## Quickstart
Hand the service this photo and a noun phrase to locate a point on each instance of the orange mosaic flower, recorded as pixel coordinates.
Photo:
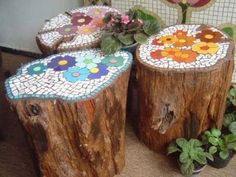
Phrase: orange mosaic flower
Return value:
(98, 22)
(183, 40)
(205, 48)
(156, 55)
(186, 56)
(180, 32)
(169, 39)
(169, 52)
(208, 35)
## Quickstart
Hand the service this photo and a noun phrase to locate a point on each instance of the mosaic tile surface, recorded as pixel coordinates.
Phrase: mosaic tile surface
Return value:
(68, 76)
(78, 28)
(185, 46)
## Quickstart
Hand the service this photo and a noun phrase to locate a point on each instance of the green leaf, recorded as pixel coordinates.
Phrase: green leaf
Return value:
(214, 141)
(110, 45)
(209, 156)
(230, 138)
(215, 132)
(183, 157)
(229, 31)
(224, 154)
(200, 158)
(172, 148)
(187, 168)
(228, 119)
(140, 38)
(195, 142)
(126, 39)
(232, 128)
(212, 150)
(144, 16)
(181, 142)
(151, 27)
(232, 146)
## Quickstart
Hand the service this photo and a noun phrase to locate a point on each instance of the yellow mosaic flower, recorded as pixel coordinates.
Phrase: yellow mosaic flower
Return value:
(169, 39)
(205, 47)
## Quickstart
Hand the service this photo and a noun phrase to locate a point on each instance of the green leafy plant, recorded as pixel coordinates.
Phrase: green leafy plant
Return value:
(232, 95)
(230, 122)
(219, 144)
(191, 154)
(124, 30)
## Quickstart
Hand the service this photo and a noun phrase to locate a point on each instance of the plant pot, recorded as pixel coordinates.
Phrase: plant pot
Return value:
(220, 163)
(130, 48)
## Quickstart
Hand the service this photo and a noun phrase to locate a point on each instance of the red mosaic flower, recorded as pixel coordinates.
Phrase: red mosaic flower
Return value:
(80, 20)
(192, 3)
(207, 35)
(67, 30)
(156, 54)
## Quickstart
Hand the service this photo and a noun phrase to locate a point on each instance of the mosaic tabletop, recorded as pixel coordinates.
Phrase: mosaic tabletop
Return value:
(184, 47)
(68, 76)
(75, 29)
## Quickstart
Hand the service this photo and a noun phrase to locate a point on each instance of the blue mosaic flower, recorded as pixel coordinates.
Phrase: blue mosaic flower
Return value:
(75, 74)
(89, 61)
(98, 72)
(113, 61)
(61, 63)
(38, 68)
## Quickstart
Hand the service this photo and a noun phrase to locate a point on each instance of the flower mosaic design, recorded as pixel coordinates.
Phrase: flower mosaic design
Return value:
(86, 29)
(156, 54)
(98, 22)
(80, 20)
(186, 56)
(205, 48)
(113, 61)
(37, 69)
(98, 72)
(67, 30)
(208, 35)
(61, 63)
(75, 74)
(88, 61)
(180, 32)
(97, 12)
(183, 40)
(169, 39)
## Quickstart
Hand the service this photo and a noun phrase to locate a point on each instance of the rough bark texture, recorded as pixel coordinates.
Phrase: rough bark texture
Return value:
(176, 103)
(78, 139)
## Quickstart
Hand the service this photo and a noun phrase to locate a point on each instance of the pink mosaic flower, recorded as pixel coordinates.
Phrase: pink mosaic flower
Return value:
(80, 20)
(97, 12)
(67, 30)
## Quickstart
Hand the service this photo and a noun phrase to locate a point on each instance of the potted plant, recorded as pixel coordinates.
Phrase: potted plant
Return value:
(220, 146)
(229, 124)
(192, 158)
(126, 31)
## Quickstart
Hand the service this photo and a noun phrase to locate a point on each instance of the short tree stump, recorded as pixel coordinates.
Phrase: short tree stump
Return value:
(72, 106)
(76, 29)
(183, 76)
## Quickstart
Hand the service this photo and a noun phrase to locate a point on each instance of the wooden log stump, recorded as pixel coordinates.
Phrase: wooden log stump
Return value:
(183, 76)
(76, 29)
(72, 106)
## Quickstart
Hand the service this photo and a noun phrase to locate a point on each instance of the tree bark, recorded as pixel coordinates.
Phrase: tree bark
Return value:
(78, 139)
(181, 103)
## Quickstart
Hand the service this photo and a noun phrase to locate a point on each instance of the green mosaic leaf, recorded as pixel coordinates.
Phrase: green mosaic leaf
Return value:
(229, 31)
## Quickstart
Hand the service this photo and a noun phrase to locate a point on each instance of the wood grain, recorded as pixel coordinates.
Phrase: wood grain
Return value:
(78, 139)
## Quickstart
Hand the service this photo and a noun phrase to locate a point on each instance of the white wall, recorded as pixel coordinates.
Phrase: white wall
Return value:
(20, 20)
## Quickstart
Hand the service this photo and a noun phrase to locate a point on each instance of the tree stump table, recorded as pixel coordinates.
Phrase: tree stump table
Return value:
(76, 29)
(183, 76)
(72, 106)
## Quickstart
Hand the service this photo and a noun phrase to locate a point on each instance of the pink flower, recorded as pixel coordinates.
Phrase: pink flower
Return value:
(192, 3)
(125, 19)
(111, 21)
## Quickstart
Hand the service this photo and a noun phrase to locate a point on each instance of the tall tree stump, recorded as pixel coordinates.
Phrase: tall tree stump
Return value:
(76, 29)
(72, 106)
(183, 76)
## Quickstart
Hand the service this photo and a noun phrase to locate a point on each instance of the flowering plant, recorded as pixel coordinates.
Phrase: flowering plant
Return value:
(124, 30)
